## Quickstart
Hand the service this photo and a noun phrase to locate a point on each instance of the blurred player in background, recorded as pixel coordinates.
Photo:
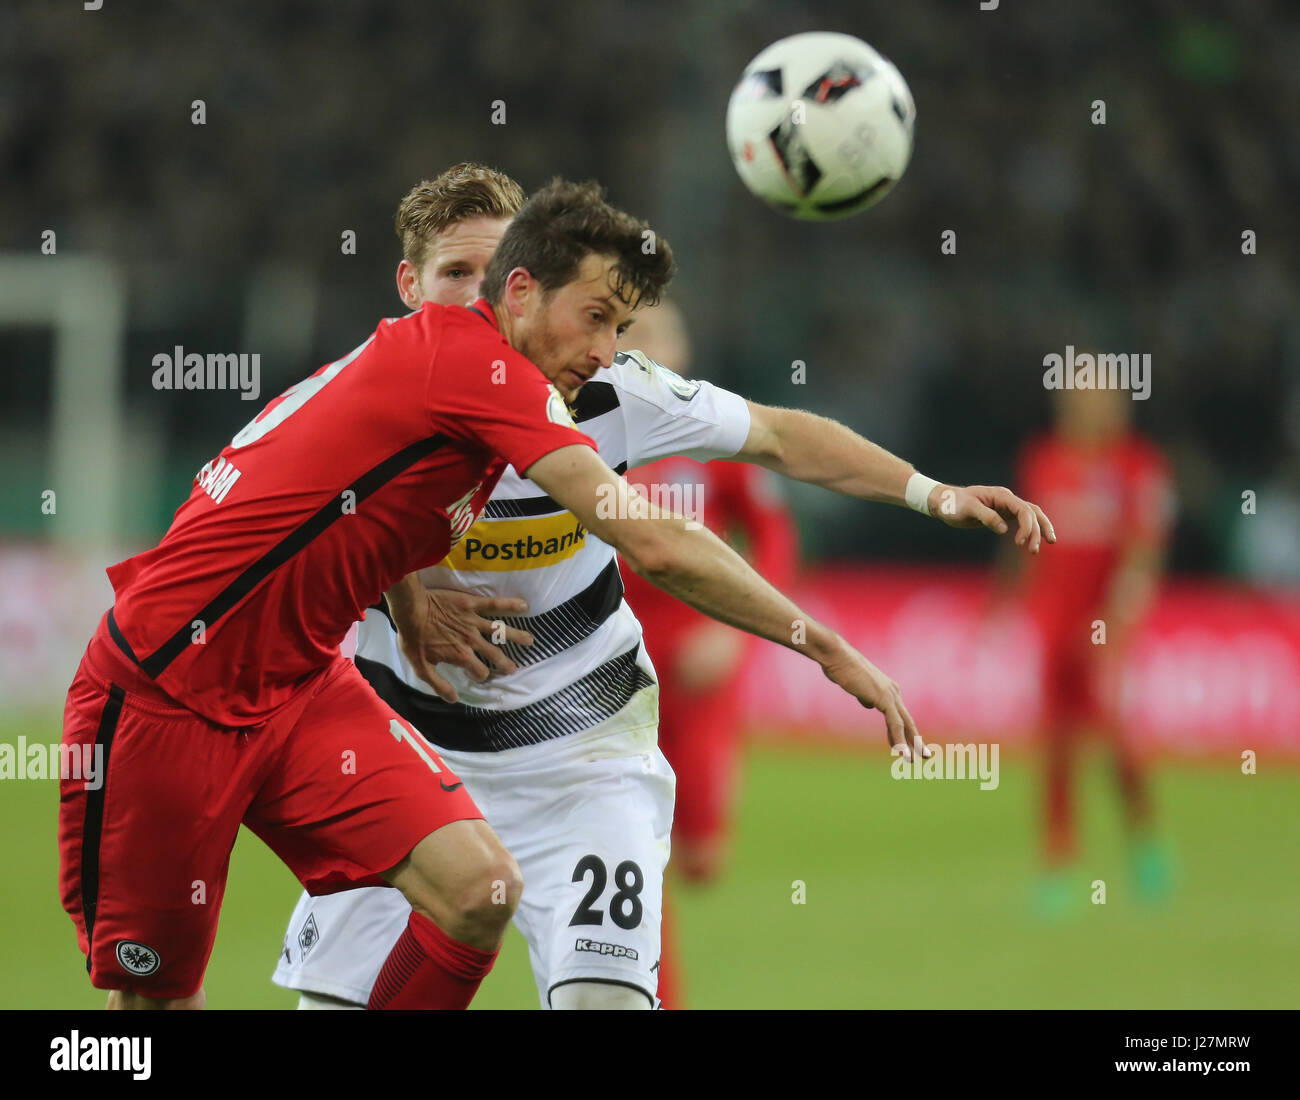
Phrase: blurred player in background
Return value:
(699, 667)
(1111, 491)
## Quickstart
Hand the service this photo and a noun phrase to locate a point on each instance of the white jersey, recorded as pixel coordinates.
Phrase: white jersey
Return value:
(587, 661)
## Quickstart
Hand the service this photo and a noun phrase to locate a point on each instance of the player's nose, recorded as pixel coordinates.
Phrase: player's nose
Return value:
(602, 353)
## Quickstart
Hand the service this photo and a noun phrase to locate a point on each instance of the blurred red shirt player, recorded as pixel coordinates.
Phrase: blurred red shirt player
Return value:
(1110, 492)
(700, 661)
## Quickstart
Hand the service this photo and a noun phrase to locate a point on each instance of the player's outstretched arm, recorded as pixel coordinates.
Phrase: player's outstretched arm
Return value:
(691, 563)
(820, 451)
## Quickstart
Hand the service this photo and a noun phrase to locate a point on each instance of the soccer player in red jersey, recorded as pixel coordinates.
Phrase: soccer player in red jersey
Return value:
(700, 661)
(215, 688)
(1110, 490)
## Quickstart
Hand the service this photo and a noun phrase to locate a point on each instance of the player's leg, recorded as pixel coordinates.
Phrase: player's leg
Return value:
(320, 1001)
(1059, 753)
(119, 999)
(598, 997)
(462, 879)
(145, 845)
(703, 748)
(700, 734)
(359, 795)
(1151, 862)
(1130, 774)
(335, 945)
(594, 862)
(1063, 686)
(1064, 697)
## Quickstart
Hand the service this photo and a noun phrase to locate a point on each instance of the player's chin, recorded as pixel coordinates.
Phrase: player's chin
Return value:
(568, 385)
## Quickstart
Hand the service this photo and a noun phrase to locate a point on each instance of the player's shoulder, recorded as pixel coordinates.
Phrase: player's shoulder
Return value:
(457, 324)
(636, 374)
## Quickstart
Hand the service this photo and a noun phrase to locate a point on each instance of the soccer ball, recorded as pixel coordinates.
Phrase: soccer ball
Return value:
(820, 125)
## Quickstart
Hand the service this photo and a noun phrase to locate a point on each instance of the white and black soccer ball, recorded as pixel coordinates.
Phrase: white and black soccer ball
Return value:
(820, 125)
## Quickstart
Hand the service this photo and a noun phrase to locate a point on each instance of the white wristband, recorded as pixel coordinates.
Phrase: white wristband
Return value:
(919, 488)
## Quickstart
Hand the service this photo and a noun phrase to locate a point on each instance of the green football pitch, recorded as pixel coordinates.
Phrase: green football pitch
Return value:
(847, 889)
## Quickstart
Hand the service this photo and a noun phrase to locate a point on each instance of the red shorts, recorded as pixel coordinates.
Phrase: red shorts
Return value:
(700, 734)
(334, 783)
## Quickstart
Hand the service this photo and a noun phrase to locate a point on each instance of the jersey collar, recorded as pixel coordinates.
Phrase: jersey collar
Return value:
(485, 311)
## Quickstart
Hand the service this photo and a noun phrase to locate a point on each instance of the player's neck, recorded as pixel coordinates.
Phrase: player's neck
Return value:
(504, 322)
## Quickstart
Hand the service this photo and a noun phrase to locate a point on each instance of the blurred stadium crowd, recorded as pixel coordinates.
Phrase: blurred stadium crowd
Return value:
(1125, 236)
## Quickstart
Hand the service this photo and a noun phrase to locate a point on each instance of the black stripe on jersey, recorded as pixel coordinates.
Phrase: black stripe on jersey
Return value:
(520, 507)
(92, 828)
(593, 400)
(565, 625)
(287, 547)
(586, 702)
(115, 632)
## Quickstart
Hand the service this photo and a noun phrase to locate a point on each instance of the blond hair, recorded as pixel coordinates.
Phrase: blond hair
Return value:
(463, 191)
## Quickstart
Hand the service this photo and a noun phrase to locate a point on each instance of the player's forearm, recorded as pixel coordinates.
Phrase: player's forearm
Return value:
(820, 451)
(698, 568)
(404, 598)
(690, 563)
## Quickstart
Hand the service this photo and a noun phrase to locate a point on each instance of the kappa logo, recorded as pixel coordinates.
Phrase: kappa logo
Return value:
(137, 958)
(309, 936)
(613, 950)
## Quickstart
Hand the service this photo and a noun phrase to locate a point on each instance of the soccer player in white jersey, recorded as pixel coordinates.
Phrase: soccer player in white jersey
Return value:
(549, 715)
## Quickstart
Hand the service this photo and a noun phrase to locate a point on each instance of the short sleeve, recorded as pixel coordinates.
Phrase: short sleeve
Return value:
(666, 414)
(489, 394)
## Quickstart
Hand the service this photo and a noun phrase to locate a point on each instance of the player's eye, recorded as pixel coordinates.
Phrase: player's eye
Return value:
(457, 273)
(622, 329)
(596, 316)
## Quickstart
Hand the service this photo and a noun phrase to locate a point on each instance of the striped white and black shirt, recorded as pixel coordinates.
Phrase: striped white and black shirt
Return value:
(587, 660)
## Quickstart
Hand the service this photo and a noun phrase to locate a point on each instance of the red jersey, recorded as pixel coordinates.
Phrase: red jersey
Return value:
(373, 467)
(1100, 500)
(732, 496)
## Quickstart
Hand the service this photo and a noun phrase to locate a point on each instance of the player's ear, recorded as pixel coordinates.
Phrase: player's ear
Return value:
(408, 285)
(520, 289)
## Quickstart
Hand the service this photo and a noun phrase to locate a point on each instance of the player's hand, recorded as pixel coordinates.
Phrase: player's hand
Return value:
(994, 507)
(872, 688)
(457, 628)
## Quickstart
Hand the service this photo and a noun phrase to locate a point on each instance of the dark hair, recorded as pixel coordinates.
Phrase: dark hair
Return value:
(463, 191)
(563, 223)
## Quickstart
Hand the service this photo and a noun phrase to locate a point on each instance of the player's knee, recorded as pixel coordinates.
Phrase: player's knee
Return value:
(486, 895)
(697, 860)
(464, 880)
(599, 997)
(494, 895)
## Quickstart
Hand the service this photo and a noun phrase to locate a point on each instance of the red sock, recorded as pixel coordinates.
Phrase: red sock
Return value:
(428, 969)
(1133, 788)
(1060, 812)
(670, 990)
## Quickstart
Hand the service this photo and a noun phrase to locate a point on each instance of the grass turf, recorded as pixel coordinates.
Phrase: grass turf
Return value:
(917, 894)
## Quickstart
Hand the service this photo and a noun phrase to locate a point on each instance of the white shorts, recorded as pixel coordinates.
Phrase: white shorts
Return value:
(587, 817)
